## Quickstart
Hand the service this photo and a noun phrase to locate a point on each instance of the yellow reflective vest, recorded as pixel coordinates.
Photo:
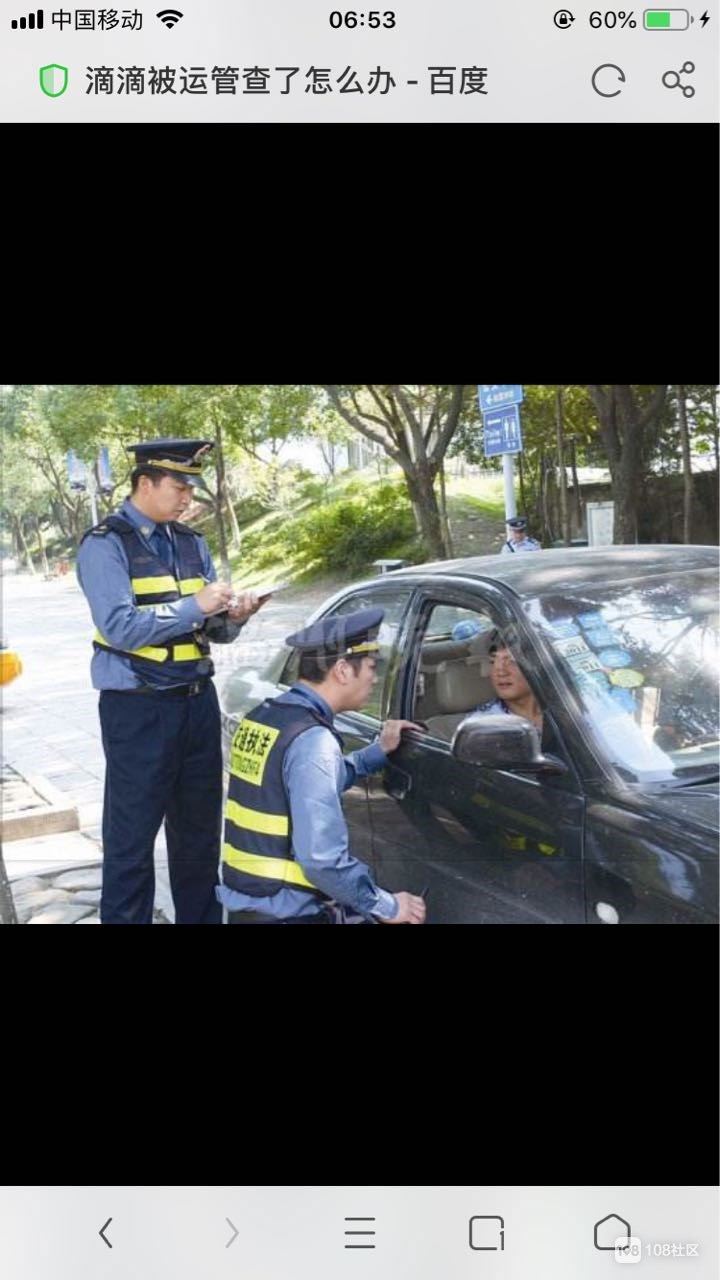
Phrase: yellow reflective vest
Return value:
(187, 657)
(257, 850)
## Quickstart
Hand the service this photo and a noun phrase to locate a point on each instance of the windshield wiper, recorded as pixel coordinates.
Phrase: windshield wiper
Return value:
(701, 773)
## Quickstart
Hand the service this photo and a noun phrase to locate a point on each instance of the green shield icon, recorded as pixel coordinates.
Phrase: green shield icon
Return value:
(53, 79)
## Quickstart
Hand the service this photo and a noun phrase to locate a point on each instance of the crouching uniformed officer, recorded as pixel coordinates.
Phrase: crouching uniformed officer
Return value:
(286, 841)
(152, 589)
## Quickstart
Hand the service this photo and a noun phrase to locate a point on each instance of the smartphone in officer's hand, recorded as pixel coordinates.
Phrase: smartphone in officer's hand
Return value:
(262, 593)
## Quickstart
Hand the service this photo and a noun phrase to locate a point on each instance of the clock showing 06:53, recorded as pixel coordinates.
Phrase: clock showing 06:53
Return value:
(374, 18)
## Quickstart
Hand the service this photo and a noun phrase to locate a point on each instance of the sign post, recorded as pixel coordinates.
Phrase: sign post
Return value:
(82, 478)
(500, 408)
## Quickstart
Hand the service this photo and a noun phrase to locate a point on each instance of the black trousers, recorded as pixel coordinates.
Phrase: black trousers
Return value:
(164, 761)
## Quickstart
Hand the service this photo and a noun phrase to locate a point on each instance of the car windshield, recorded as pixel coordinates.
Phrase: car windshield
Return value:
(642, 658)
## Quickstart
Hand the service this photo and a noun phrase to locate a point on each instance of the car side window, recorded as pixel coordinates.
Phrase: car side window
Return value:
(395, 604)
(453, 673)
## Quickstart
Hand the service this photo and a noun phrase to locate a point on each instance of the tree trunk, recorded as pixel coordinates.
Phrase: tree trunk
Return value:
(443, 511)
(414, 441)
(715, 434)
(546, 496)
(629, 434)
(576, 486)
(417, 513)
(562, 474)
(23, 544)
(627, 487)
(521, 474)
(230, 506)
(59, 515)
(41, 544)
(218, 505)
(427, 514)
(76, 531)
(687, 465)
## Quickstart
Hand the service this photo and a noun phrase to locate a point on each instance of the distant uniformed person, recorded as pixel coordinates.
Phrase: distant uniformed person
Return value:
(152, 590)
(285, 852)
(517, 539)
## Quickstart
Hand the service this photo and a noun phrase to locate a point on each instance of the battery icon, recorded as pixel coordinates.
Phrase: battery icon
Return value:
(666, 19)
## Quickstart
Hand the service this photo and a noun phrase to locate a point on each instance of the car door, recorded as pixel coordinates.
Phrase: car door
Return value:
(489, 845)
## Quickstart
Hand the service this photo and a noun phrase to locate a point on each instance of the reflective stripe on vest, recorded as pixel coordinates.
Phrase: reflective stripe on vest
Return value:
(158, 586)
(257, 852)
(266, 870)
(171, 652)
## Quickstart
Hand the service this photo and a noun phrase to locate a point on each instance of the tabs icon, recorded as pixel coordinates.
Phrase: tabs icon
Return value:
(487, 1233)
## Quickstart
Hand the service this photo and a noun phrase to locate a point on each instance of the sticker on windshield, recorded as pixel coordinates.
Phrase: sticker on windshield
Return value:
(589, 620)
(577, 654)
(601, 637)
(571, 648)
(563, 627)
(615, 657)
(592, 680)
(624, 698)
(627, 678)
(585, 662)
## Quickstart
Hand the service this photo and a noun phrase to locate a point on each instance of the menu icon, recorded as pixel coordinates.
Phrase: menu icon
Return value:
(360, 1228)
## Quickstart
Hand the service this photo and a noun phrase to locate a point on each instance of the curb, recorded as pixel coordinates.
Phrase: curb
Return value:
(53, 816)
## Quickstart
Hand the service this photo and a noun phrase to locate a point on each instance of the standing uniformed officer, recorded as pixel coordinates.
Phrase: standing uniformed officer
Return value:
(286, 841)
(152, 591)
(517, 539)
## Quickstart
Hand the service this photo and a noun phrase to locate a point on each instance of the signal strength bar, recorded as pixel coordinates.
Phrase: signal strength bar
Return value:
(28, 23)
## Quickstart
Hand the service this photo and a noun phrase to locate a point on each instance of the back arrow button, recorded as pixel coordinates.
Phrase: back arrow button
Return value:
(102, 1235)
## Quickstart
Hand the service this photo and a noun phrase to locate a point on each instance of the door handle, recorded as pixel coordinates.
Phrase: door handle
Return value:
(398, 784)
(607, 913)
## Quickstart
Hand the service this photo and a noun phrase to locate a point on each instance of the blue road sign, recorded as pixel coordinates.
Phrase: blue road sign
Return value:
(77, 471)
(494, 396)
(502, 432)
(104, 472)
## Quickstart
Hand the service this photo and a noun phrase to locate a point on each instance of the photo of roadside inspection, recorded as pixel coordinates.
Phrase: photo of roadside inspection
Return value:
(308, 654)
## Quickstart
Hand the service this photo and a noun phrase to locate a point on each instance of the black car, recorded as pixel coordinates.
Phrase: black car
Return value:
(613, 817)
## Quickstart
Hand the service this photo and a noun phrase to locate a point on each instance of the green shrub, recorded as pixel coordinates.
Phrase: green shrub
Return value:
(264, 546)
(350, 533)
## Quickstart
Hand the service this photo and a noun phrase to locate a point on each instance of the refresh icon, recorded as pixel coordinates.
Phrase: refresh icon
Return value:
(607, 67)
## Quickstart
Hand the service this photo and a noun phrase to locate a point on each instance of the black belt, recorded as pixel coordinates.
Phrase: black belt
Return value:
(172, 691)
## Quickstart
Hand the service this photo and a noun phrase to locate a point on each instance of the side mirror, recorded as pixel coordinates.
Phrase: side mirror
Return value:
(502, 742)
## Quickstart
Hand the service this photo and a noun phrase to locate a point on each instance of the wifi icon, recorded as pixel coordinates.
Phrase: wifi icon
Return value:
(169, 17)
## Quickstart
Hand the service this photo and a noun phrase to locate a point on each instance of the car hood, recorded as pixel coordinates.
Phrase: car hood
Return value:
(694, 808)
(697, 806)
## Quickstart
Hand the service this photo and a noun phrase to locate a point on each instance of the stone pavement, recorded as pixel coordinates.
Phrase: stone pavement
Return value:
(50, 727)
